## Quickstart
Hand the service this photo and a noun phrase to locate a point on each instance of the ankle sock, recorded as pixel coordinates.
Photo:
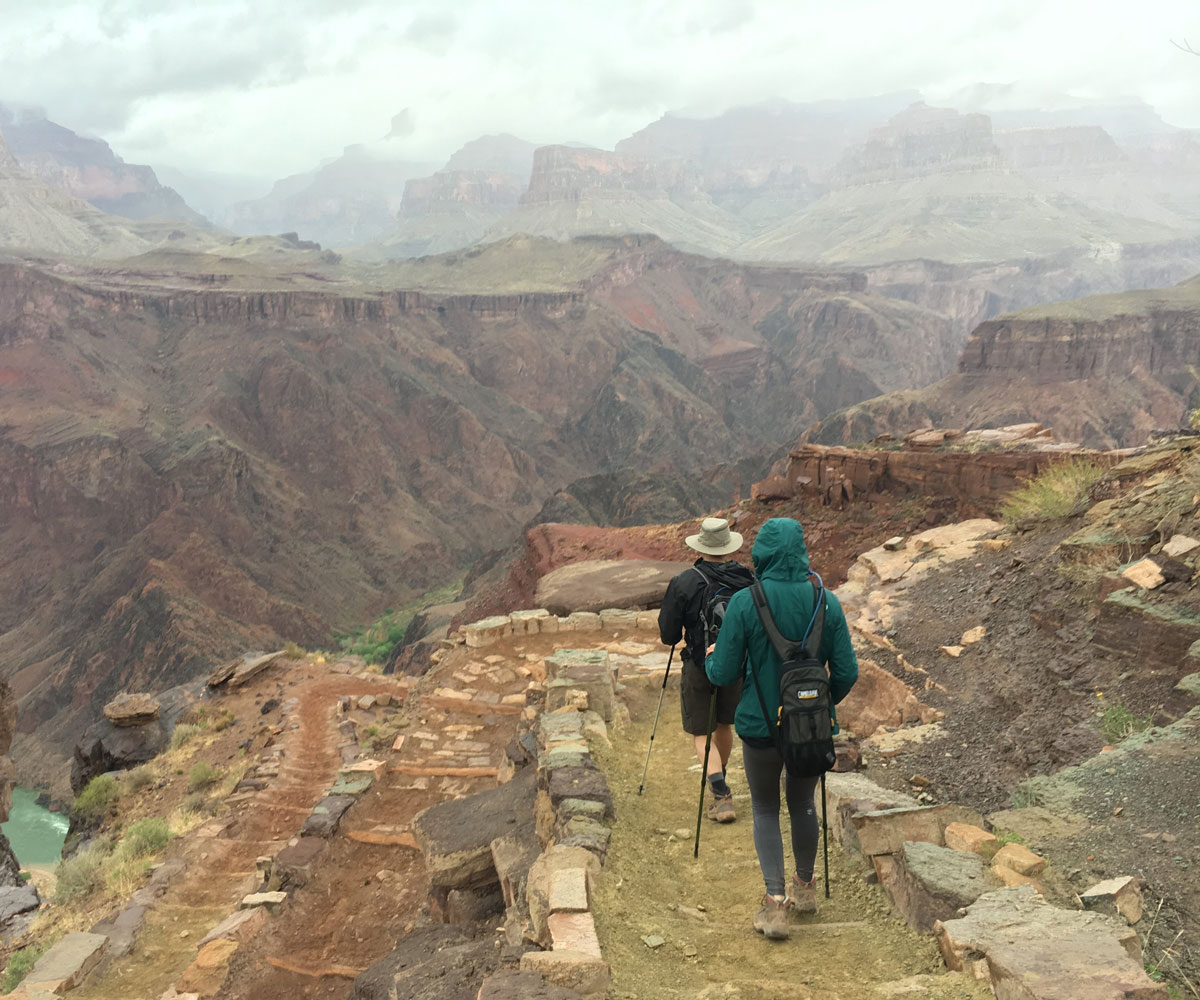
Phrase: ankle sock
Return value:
(717, 784)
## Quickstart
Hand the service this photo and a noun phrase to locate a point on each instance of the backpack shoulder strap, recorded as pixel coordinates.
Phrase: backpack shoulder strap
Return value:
(816, 627)
(779, 642)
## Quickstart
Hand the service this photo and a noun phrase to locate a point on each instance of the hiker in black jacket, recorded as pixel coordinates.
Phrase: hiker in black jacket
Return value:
(682, 614)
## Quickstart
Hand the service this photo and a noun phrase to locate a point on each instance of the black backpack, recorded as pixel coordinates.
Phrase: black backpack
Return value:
(803, 731)
(712, 609)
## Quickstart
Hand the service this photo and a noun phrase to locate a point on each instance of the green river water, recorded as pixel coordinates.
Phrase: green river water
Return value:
(36, 834)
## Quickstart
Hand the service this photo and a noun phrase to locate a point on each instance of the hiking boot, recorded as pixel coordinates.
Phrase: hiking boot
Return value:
(772, 920)
(803, 896)
(721, 809)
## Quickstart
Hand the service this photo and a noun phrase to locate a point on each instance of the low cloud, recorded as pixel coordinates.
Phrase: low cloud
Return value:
(271, 88)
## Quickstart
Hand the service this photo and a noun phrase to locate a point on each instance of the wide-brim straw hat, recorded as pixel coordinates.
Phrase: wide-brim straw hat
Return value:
(714, 538)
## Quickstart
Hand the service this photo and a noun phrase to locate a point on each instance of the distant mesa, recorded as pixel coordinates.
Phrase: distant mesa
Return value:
(88, 169)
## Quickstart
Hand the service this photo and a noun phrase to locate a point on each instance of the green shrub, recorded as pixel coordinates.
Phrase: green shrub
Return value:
(1119, 722)
(202, 775)
(19, 964)
(184, 733)
(97, 798)
(79, 877)
(1052, 494)
(144, 837)
(138, 778)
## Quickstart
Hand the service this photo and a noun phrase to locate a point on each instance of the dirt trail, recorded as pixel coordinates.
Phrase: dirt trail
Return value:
(218, 868)
(852, 950)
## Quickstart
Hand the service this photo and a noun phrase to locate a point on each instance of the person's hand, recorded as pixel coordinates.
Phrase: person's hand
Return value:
(709, 651)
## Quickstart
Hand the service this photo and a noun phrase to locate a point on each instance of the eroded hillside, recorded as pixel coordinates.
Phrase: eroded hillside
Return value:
(200, 458)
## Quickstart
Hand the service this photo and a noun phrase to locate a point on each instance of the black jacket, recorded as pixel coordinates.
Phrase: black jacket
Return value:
(684, 599)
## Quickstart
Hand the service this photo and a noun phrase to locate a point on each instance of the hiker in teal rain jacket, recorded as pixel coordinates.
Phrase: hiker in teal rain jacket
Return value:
(743, 650)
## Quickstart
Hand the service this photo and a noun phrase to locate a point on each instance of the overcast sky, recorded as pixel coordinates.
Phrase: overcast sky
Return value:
(272, 87)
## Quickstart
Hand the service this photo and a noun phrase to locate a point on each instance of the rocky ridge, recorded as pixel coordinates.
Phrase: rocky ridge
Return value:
(1104, 371)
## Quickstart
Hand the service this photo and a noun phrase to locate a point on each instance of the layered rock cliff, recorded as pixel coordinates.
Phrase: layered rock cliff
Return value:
(1104, 371)
(89, 170)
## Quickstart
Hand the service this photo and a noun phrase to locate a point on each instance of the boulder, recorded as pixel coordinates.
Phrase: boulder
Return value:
(105, 747)
(431, 963)
(964, 837)
(884, 831)
(326, 815)
(456, 836)
(1020, 859)
(603, 584)
(932, 883)
(1145, 573)
(847, 794)
(128, 710)
(206, 975)
(17, 899)
(1120, 896)
(67, 962)
(1028, 950)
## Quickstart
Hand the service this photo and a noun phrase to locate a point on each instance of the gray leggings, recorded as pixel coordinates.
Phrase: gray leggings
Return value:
(763, 769)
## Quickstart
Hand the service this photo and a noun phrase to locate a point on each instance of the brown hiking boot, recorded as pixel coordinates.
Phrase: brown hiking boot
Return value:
(803, 896)
(721, 809)
(772, 920)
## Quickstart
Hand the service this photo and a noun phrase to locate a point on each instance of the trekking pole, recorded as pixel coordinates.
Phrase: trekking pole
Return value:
(825, 834)
(654, 728)
(712, 716)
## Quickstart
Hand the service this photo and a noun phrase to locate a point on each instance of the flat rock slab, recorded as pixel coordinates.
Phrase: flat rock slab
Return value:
(576, 970)
(326, 815)
(933, 883)
(68, 961)
(600, 585)
(1037, 824)
(122, 930)
(354, 785)
(1117, 897)
(515, 984)
(1029, 950)
(132, 709)
(884, 831)
(456, 836)
(240, 926)
(432, 963)
(848, 793)
(293, 865)
(17, 899)
(271, 900)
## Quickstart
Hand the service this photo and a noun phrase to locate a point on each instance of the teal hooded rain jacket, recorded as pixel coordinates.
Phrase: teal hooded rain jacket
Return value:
(781, 563)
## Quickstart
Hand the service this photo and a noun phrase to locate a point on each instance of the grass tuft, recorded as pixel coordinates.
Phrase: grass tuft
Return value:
(97, 797)
(1053, 494)
(202, 775)
(19, 964)
(1120, 723)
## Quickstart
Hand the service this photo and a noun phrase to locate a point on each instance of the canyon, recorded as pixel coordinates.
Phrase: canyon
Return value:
(190, 469)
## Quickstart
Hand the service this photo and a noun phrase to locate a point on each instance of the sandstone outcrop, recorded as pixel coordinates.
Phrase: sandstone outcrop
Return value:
(129, 710)
(1104, 371)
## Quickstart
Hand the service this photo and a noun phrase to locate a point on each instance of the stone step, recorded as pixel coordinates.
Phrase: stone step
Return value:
(319, 972)
(384, 838)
